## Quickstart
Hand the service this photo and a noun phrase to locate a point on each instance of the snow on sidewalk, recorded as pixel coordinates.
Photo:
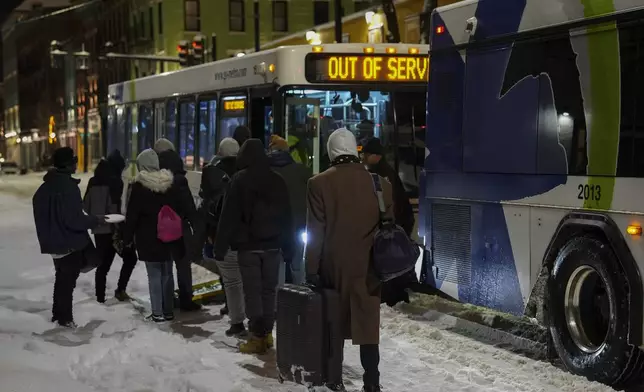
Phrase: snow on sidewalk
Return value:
(115, 350)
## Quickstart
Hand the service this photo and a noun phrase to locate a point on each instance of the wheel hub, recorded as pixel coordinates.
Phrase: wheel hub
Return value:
(587, 309)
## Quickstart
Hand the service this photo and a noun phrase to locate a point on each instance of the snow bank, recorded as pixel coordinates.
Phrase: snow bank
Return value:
(116, 350)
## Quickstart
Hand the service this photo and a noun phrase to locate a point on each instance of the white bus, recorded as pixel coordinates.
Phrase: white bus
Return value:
(530, 198)
(301, 93)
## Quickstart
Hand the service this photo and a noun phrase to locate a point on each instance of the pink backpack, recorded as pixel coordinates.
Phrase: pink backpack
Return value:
(169, 225)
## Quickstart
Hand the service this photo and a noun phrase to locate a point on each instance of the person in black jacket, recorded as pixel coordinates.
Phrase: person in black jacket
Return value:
(373, 154)
(152, 190)
(256, 220)
(182, 251)
(241, 134)
(102, 197)
(61, 226)
(296, 176)
(215, 181)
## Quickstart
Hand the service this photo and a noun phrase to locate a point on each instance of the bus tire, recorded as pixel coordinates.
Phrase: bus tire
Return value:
(588, 312)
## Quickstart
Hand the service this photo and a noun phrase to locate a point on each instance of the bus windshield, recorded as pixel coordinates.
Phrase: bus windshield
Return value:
(396, 118)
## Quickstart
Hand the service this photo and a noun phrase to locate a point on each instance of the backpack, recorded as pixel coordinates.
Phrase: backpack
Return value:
(169, 225)
(213, 203)
(393, 253)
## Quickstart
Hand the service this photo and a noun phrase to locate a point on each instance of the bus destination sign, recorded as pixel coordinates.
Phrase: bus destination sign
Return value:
(233, 105)
(365, 68)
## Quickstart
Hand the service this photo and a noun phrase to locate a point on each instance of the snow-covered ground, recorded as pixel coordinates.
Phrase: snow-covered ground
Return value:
(115, 350)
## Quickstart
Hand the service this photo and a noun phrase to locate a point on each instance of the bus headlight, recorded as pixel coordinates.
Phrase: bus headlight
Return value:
(304, 237)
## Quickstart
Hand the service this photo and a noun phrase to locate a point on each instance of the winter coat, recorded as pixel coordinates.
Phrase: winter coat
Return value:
(150, 192)
(256, 214)
(100, 193)
(170, 160)
(342, 218)
(127, 178)
(403, 212)
(296, 177)
(61, 225)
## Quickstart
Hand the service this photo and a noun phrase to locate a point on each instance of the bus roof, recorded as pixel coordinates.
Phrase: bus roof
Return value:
(498, 18)
(238, 72)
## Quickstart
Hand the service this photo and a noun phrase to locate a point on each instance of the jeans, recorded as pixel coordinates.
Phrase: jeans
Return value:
(184, 272)
(161, 283)
(259, 271)
(233, 287)
(105, 245)
(67, 271)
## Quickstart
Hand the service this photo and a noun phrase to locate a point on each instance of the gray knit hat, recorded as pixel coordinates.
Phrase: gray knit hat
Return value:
(228, 147)
(148, 160)
(162, 145)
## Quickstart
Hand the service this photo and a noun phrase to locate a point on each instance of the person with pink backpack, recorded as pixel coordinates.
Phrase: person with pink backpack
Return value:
(153, 222)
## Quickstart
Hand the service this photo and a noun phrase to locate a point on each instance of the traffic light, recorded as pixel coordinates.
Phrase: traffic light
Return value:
(184, 53)
(213, 47)
(198, 46)
(55, 54)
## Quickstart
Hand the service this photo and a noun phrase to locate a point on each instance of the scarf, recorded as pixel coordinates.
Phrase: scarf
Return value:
(345, 159)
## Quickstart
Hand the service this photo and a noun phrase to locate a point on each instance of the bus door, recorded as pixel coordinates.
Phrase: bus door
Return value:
(302, 124)
(159, 120)
(233, 114)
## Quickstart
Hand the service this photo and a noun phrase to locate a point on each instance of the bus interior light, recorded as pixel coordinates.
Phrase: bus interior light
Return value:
(391, 50)
(368, 50)
(413, 51)
(440, 29)
(634, 230)
(317, 49)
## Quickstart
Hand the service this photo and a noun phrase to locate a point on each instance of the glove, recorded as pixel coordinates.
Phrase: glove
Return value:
(313, 280)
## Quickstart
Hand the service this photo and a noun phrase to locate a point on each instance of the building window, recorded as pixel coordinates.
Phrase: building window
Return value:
(160, 16)
(280, 16)
(192, 15)
(320, 12)
(236, 15)
(361, 5)
(151, 19)
(142, 32)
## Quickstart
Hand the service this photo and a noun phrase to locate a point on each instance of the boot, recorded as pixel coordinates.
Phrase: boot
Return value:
(191, 306)
(223, 311)
(155, 318)
(237, 330)
(270, 342)
(371, 388)
(68, 324)
(336, 387)
(121, 296)
(254, 345)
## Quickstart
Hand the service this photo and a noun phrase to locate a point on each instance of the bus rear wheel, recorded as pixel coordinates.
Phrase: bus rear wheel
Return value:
(588, 312)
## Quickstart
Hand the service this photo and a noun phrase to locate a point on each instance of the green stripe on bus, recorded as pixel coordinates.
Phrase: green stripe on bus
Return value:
(603, 141)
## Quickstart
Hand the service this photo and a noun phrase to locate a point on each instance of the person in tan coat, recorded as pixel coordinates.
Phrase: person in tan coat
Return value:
(342, 219)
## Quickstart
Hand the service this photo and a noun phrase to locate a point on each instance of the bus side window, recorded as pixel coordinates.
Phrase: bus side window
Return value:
(146, 127)
(187, 132)
(171, 121)
(207, 130)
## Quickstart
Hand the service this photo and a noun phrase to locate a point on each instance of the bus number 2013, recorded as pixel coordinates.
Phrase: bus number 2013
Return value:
(589, 192)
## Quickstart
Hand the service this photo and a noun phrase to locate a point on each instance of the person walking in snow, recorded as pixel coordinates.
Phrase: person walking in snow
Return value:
(152, 190)
(296, 176)
(256, 220)
(61, 226)
(215, 182)
(342, 218)
(183, 251)
(102, 197)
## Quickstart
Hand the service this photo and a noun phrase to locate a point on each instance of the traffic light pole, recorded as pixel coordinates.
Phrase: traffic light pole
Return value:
(86, 122)
(256, 15)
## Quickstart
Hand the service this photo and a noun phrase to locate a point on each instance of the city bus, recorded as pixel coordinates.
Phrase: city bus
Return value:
(301, 93)
(530, 199)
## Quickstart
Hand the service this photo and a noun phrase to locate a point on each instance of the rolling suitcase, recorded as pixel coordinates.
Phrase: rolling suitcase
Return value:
(310, 341)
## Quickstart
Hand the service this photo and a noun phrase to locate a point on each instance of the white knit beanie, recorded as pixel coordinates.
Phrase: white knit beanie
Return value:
(342, 142)
(228, 147)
